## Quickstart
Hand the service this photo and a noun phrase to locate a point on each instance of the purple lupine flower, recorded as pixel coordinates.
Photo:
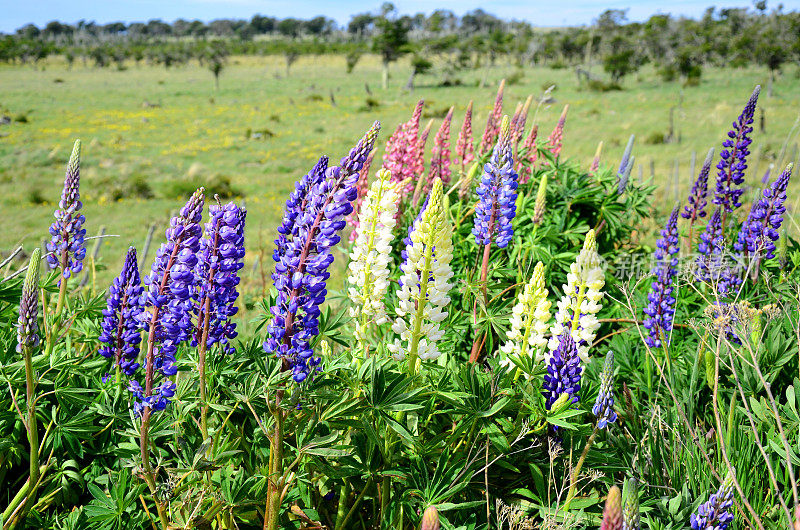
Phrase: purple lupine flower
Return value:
(661, 307)
(716, 513)
(603, 407)
(121, 327)
(167, 300)
(498, 194)
(217, 272)
(733, 156)
(66, 249)
(27, 322)
(563, 371)
(625, 176)
(760, 231)
(306, 237)
(711, 249)
(696, 208)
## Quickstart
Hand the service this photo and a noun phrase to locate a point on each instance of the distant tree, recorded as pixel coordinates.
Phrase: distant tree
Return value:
(290, 27)
(263, 24)
(391, 40)
(319, 26)
(419, 65)
(360, 25)
(621, 60)
(215, 56)
(352, 59)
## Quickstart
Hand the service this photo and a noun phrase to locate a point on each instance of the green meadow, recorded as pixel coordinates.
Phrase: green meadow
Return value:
(151, 135)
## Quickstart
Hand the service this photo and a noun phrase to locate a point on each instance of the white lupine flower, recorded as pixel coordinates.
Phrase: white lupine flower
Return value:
(582, 299)
(368, 276)
(529, 320)
(425, 283)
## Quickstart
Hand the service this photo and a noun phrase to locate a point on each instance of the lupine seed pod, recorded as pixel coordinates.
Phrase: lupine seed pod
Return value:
(716, 513)
(696, 209)
(465, 148)
(541, 199)
(582, 299)
(493, 122)
(660, 310)
(28, 323)
(612, 514)
(631, 519)
(66, 249)
(603, 407)
(430, 519)
(733, 158)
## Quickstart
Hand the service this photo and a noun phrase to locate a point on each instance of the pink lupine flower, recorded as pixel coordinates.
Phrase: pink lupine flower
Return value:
(531, 154)
(362, 186)
(401, 148)
(492, 130)
(555, 140)
(416, 184)
(518, 125)
(440, 155)
(465, 148)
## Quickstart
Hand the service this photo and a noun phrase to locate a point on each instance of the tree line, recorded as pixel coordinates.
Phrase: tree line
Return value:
(676, 46)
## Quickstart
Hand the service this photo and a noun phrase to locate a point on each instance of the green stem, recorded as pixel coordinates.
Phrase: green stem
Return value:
(149, 476)
(355, 505)
(340, 512)
(574, 478)
(487, 249)
(62, 289)
(416, 334)
(276, 471)
(33, 432)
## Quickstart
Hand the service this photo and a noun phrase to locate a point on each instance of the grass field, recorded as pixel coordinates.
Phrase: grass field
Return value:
(151, 132)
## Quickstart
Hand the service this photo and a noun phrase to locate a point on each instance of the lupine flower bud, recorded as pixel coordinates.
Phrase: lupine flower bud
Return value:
(440, 156)
(121, 327)
(625, 176)
(362, 186)
(696, 208)
(556, 139)
(27, 323)
(369, 262)
(612, 514)
(498, 195)
(582, 298)
(660, 310)
(631, 519)
(529, 319)
(596, 160)
(493, 122)
(759, 232)
(626, 156)
(217, 272)
(465, 190)
(66, 249)
(430, 519)
(425, 283)
(541, 198)
(733, 158)
(464, 146)
(563, 372)
(531, 154)
(716, 512)
(306, 237)
(603, 407)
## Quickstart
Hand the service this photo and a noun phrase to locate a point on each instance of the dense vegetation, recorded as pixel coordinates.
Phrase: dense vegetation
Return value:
(458, 373)
(678, 47)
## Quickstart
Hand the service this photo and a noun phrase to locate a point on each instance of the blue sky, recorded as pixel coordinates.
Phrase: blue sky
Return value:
(16, 13)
